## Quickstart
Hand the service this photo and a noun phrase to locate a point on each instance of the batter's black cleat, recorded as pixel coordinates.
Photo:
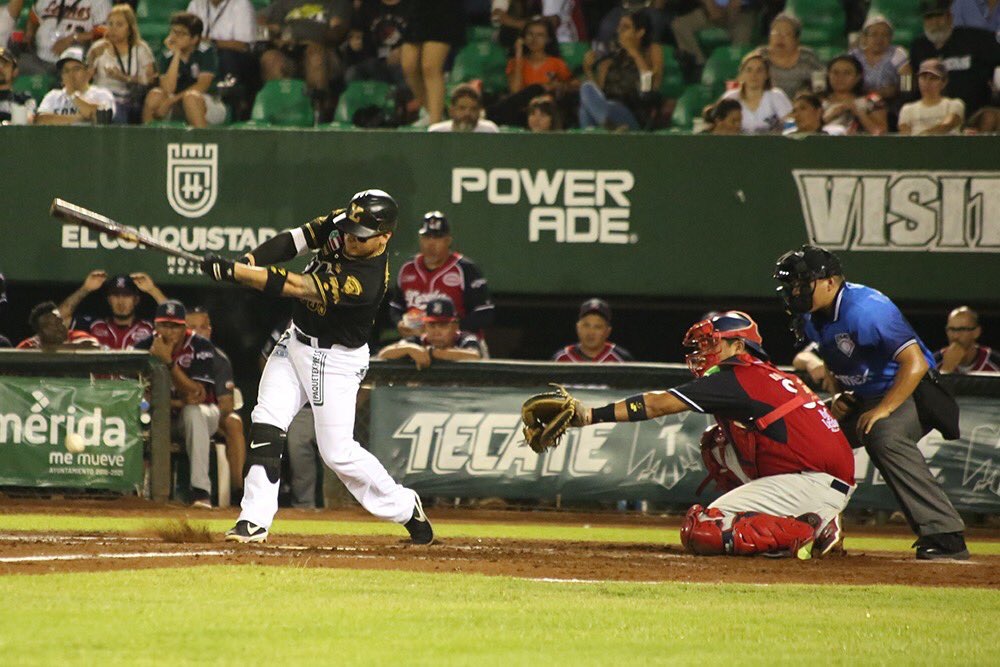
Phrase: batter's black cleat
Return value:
(942, 547)
(419, 526)
(245, 532)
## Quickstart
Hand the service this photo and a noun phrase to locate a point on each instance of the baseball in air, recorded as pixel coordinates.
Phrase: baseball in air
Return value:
(74, 443)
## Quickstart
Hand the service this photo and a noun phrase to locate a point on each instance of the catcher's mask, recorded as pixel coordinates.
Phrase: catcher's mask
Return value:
(795, 272)
(369, 213)
(706, 339)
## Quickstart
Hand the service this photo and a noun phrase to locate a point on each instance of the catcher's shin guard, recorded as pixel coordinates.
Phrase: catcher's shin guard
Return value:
(711, 532)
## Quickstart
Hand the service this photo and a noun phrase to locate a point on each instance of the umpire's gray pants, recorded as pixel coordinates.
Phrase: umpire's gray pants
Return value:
(302, 459)
(892, 447)
(197, 423)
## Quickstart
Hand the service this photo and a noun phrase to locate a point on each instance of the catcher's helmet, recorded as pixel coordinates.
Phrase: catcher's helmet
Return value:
(797, 269)
(370, 213)
(705, 336)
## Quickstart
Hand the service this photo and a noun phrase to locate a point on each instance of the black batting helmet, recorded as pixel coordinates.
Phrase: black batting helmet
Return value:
(370, 213)
(795, 271)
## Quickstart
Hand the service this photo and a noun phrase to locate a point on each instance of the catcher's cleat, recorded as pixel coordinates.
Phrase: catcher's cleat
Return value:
(829, 537)
(245, 532)
(419, 526)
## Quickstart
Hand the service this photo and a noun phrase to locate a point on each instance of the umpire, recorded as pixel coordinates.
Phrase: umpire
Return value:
(892, 398)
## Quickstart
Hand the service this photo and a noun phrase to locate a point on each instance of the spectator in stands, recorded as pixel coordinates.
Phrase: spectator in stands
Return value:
(536, 69)
(51, 333)
(617, 93)
(440, 340)
(792, 65)
(593, 327)
(187, 77)
(932, 113)
(230, 422)
(465, 111)
(435, 272)
(191, 360)
(8, 19)
(383, 23)
(964, 354)
(984, 121)
(436, 27)
(737, 17)
(54, 27)
(971, 56)
(807, 112)
(231, 25)
(979, 14)
(607, 29)
(16, 108)
(565, 16)
(123, 63)
(77, 102)
(543, 116)
(123, 329)
(846, 104)
(764, 106)
(882, 61)
(307, 32)
(725, 117)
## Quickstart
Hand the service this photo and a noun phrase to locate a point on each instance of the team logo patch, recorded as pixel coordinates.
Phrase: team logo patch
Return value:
(451, 280)
(355, 214)
(192, 178)
(845, 344)
(352, 286)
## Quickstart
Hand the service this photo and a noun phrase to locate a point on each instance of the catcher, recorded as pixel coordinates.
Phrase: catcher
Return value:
(776, 450)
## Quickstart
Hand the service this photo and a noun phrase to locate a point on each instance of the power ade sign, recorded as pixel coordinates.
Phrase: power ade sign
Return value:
(567, 205)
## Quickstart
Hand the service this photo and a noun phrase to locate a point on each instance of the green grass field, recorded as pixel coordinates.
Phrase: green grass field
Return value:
(527, 531)
(256, 615)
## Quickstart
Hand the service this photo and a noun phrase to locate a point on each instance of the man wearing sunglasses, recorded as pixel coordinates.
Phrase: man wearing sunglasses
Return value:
(964, 354)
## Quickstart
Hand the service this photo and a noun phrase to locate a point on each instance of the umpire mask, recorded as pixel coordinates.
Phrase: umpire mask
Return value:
(795, 272)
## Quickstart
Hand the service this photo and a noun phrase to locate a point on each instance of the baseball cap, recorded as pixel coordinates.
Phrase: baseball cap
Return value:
(435, 225)
(441, 309)
(599, 306)
(875, 19)
(935, 7)
(119, 284)
(72, 53)
(7, 54)
(933, 66)
(171, 312)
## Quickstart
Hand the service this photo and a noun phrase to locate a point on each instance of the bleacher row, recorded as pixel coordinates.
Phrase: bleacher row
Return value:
(286, 103)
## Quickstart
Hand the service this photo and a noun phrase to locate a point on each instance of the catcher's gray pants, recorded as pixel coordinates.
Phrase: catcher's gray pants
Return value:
(302, 459)
(892, 446)
(196, 425)
(791, 494)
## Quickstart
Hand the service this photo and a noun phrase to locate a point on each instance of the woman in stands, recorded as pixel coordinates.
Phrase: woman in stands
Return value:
(436, 27)
(764, 106)
(846, 104)
(725, 117)
(620, 86)
(123, 63)
(792, 65)
(543, 115)
(883, 62)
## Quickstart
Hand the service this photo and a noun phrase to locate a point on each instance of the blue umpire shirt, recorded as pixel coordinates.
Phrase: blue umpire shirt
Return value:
(860, 342)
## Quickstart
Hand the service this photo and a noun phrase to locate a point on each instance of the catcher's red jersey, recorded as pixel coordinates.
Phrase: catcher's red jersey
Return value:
(742, 391)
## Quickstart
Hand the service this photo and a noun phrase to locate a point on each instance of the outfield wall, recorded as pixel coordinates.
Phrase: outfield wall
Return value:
(653, 215)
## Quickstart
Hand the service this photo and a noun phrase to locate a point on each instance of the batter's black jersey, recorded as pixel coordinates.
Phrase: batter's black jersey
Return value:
(352, 288)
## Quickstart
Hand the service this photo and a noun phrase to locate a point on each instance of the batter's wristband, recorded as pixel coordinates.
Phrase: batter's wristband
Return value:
(605, 413)
(636, 408)
(276, 279)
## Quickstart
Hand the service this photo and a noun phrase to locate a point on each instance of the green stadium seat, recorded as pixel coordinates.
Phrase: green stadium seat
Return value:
(673, 79)
(480, 33)
(361, 94)
(722, 66)
(690, 105)
(485, 61)
(573, 53)
(159, 10)
(828, 53)
(35, 84)
(283, 103)
(823, 21)
(154, 32)
(710, 39)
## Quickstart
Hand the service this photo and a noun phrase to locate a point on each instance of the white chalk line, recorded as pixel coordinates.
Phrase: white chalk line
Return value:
(144, 554)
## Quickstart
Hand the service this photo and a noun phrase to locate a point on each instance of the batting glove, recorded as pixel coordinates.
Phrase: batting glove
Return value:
(218, 268)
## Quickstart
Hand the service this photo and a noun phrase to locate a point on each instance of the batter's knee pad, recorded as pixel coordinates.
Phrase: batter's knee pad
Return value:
(702, 532)
(754, 533)
(266, 444)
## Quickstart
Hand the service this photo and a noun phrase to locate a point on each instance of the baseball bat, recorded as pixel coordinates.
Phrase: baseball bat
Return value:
(78, 215)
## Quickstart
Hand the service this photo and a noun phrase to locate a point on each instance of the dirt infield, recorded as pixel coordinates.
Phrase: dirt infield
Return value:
(34, 553)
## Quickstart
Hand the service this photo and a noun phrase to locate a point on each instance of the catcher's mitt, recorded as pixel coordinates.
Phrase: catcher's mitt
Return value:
(546, 417)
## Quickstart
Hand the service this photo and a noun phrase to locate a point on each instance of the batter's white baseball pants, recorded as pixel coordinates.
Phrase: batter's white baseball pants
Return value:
(328, 379)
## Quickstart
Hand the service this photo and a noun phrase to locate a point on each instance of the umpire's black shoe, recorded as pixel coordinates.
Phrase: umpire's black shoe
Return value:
(419, 526)
(244, 532)
(943, 546)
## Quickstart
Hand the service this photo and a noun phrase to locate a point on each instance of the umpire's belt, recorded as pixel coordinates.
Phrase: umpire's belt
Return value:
(841, 486)
(323, 342)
